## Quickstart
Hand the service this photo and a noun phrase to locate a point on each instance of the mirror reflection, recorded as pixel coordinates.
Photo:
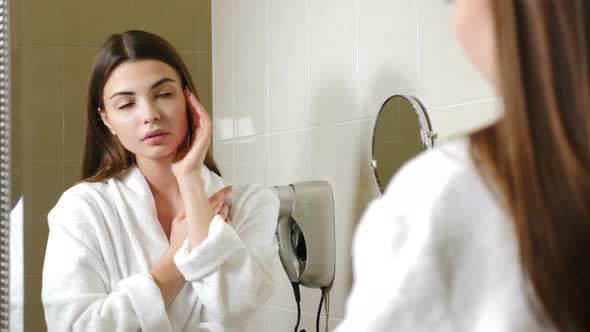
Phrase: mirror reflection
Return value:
(128, 222)
(401, 132)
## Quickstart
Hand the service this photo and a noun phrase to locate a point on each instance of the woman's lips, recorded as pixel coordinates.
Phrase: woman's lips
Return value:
(156, 139)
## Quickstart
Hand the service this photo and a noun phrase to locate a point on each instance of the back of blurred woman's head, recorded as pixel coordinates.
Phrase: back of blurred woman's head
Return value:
(538, 154)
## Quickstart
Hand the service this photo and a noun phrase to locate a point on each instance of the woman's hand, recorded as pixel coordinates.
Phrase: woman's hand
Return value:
(189, 159)
(220, 205)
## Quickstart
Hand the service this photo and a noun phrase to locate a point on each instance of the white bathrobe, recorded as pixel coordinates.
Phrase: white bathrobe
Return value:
(437, 253)
(104, 237)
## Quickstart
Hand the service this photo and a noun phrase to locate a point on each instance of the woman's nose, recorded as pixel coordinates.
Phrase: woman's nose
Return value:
(150, 113)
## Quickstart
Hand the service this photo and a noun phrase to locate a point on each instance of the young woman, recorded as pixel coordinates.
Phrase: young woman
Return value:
(138, 244)
(491, 232)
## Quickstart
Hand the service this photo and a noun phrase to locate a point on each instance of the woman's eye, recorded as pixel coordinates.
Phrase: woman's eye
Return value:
(124, 106)
(164, 94)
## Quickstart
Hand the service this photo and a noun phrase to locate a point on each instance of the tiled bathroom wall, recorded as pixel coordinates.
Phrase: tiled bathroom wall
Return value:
(53, 44)
(296, 88)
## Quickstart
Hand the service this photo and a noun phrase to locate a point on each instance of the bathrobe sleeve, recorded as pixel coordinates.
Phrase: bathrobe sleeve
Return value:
(77, 293)
(232, 269)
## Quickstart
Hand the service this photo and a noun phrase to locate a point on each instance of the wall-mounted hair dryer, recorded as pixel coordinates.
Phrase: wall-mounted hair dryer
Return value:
(305, 233)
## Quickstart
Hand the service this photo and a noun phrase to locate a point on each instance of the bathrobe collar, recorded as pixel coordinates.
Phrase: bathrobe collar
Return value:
(139, 212)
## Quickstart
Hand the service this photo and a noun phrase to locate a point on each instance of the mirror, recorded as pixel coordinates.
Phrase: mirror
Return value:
(402, 130)
(52, 47)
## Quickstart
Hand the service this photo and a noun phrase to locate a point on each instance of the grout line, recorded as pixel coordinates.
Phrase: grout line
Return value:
(308, 64)
(234, 172)
(302, 311)
(63, 114)
(366, 118)
(237, 139)
(233, 71)
(417, 11)
(356, 37)
(233, 91)
(213, 72)
(267, 53)
(463, 104)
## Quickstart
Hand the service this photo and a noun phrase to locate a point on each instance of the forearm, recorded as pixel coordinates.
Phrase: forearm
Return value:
(233, 256)
(167, 277)
(196, 206)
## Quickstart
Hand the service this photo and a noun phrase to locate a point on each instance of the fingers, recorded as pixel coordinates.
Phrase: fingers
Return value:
(218, 199)
(227, 190)
(195, 105)
(179, 217)
(224, 211)
(221, 194)
(200, 116)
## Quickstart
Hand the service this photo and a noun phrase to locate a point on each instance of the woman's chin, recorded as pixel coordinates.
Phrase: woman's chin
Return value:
(158, 154)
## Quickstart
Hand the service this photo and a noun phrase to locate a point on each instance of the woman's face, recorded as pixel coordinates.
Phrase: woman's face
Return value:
(474, 27)
(145, 108)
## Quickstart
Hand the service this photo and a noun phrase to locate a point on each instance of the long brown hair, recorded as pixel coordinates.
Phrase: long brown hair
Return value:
(104, 156)
(539, 152)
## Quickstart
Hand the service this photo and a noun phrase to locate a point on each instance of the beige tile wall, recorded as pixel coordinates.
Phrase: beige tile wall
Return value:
(53, 43)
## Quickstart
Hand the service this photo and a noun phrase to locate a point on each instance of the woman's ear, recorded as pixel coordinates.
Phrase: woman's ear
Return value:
(105, 119)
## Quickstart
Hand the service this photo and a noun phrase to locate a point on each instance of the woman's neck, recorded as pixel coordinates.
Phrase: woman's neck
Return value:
(159, 177)
(165, 190)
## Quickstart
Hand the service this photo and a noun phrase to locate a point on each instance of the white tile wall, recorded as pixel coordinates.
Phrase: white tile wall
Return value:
(223, 75)
(387, 51)
(225, 158)
(250, 66)
(333, 68)
(446, 77)
(251, 160)
(297, 85)
(288, 62)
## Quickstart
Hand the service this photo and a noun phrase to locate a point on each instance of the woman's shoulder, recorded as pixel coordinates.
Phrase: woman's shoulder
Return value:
(81, 203)
(444, 176)
(442, 161)
(253, 195)
(86, 191)
(254, 203)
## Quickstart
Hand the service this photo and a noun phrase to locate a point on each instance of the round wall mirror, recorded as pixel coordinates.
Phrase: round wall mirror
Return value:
(402, 130)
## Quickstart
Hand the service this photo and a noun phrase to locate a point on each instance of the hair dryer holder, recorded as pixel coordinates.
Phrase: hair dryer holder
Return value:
(305, 232)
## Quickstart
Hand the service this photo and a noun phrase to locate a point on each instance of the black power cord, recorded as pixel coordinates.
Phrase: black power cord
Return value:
(297, 294)
(295, 286)
(317, 320)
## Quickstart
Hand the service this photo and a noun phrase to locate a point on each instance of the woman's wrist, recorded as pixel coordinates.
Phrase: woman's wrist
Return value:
(167, 276)
(193, 173)
(197, 207)
(167, 268)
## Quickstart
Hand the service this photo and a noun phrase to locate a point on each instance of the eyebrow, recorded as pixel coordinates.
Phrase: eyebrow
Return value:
(155, 85)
